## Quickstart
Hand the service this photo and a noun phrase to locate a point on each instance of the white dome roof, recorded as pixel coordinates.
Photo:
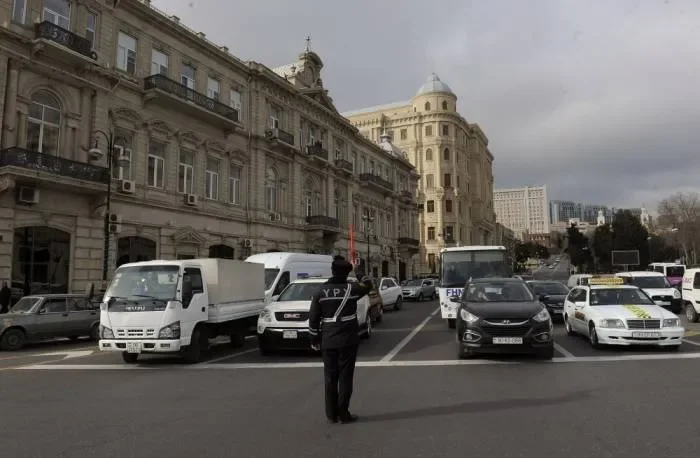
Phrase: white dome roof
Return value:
(386, 145)
(434, 84)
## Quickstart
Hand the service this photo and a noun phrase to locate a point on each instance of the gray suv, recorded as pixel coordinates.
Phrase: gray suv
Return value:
(49, 316)
(419, 289)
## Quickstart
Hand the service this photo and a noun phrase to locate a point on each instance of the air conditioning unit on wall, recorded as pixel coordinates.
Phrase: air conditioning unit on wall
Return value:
(27, 195)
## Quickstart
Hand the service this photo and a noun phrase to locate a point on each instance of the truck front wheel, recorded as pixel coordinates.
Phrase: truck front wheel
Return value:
(193, 353)
(130, 358)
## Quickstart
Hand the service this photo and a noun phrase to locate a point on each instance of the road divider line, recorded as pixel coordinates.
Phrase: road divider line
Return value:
(563, 351)
(691, 342)
(395, 351)
(233, 355)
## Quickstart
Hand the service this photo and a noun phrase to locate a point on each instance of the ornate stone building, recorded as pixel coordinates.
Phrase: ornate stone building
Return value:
(456, 187)
(120, 124)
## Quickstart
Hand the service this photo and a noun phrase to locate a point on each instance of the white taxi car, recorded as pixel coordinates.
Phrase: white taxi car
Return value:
(284, 322)
(610, 312)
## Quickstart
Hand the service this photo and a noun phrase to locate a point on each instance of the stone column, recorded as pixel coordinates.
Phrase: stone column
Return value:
(330, 194)
(295, 186)
(138, 160)
(21, 120)
(70, 146)
(10, 136)
(83, 144)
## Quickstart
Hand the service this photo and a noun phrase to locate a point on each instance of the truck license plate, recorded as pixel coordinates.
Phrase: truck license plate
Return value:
(508, 340)
(646, 335)
(133, 347)
(289, 334)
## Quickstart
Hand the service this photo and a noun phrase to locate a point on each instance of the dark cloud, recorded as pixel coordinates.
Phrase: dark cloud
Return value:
(598, 100)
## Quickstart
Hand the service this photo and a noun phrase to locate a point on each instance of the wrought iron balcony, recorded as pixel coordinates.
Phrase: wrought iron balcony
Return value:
(32, 160)
(409, 242)
(322, 220)
(281, 135)
(406, 195)
(185, 94)
(317, 150)
(377, 181)
(49, 31)
(344, 165)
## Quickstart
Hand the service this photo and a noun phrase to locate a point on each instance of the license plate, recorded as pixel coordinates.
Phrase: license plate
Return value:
(133, 347)
(558, 312)
(646, 335)
(289, 334)
(508, 340)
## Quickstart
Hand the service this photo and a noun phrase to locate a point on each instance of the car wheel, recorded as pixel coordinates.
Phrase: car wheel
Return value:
(593, 336)
(95, 332)
(397, 304)
(367, 332)
(464, 353)
(567, 326)
(264, 347)
(420, 297)
(13, 340)
(451, 323)
(690, 313)
(379, 314)
(674, 347)
(130, 358)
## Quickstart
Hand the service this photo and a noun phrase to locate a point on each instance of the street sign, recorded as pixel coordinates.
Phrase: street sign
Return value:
(625, 258)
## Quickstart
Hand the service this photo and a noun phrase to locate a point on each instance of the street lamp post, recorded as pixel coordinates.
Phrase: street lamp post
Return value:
(368, 219)
(111, 140)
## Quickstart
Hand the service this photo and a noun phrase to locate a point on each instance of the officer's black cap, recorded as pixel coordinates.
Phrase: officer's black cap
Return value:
(340, 267)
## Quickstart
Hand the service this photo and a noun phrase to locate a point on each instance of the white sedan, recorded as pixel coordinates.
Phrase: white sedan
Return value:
(284, 322)
(611, 313)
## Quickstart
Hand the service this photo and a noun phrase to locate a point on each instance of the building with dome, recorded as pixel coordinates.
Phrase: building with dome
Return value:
(455, 192)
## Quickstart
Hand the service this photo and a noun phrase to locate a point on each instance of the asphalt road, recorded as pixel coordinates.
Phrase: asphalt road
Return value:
(414, 398)
(561, 271)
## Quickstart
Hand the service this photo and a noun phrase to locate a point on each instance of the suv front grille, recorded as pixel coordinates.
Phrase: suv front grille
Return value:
(291, 316)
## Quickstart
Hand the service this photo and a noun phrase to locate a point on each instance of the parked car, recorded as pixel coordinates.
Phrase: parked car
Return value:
(419, 289)
(389, 292)
(49, 316)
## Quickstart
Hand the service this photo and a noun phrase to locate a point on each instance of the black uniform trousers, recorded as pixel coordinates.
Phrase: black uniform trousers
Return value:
(339, 372)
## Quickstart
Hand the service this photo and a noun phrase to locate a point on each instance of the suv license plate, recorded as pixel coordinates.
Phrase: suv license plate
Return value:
(133, 347)
(289, 334)
(508, 340)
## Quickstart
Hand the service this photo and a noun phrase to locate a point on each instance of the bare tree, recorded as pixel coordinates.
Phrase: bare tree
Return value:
(681, 213)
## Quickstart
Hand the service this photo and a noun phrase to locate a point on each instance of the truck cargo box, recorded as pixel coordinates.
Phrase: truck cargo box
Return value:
(229, 280)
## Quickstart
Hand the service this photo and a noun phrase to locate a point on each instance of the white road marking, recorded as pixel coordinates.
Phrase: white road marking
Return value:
(68, 354)
(691, 342)
(563, 351)
(394, 351)
(233, 355)
(307, 365)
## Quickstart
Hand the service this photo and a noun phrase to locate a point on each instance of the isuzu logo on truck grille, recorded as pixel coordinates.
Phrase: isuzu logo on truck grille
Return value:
(292, 315)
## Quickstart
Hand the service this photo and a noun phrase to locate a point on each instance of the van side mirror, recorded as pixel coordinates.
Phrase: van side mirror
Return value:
(454, 298)
(89, 291)
(544, 297)
(275, 298)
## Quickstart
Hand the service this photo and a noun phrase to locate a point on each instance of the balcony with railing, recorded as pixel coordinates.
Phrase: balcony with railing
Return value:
(281, 135)
(317, 151)
(64, 42)
(377, 182)
(406, 196)
(27, 165)
(344, 165)
(323, 223)
(160, 88)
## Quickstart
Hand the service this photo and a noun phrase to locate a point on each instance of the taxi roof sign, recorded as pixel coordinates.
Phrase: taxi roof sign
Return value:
(593, 281)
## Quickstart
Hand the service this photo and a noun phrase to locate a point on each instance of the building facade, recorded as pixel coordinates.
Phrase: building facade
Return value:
(561, 211)
(451, 155)
(524, 210)
(126, 136)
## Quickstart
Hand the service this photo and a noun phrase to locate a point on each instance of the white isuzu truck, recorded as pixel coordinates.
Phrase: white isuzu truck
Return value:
(175, 307)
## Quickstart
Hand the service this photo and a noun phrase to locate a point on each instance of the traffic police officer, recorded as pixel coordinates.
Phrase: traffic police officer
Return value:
(334, 329)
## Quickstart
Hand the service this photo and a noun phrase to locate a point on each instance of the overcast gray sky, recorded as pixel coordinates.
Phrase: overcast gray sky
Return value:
(597, 99)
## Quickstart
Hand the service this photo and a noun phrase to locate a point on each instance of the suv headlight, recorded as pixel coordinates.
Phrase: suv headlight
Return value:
(672, 322)
(106, 333)
(542, 315)
(612, 323)
(676, 294)
(468, 317)
(171, 331)
(265, 315)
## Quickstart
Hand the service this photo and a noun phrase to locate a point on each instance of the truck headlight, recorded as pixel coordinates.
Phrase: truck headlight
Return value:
(612, 323)
(265, 315)
(543, 315)
(106, 333)
(676, 294)
(672, 323)
(171, 331)
(468, 317)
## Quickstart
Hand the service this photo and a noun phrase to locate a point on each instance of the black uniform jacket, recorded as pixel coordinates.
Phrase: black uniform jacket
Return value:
(333, 315)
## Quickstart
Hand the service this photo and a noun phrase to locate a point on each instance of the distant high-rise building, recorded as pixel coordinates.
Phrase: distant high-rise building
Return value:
(523, 210)
(561, 211)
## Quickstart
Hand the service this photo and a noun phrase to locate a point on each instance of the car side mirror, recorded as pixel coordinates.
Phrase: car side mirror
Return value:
(41, 311)
(454, 298)
(274, 298)
(580, 304)
(384, 287)
(544, 297)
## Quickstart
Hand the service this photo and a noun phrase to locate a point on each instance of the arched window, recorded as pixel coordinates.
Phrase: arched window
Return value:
(427, 106)
(444, 105)
(44, 123)
(271, 190)
(446, 155)
(428, 154)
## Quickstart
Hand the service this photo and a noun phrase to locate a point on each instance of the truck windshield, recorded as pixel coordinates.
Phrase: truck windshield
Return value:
(270, 276)
(150, 286)
(459, 266)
